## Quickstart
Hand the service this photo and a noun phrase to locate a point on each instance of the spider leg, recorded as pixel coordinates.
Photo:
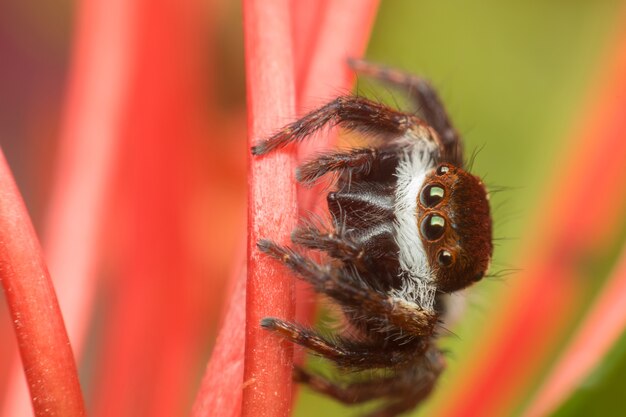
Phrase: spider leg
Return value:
(359, 249)
(345, 353)
(351, 291)
(356, 161)
(413, 384)
(353, 113)
(405, 389)
(336, 246)
(354, 393)
(427, 99)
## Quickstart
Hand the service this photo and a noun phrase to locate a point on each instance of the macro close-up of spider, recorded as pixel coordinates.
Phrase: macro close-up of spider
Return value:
(409, 225)
(263, 208)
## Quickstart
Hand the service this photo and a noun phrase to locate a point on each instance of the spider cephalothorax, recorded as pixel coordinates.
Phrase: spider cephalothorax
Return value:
(455, 226)
(409, 225)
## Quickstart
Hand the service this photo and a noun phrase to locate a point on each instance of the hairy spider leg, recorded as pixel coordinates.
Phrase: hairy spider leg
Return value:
(355, 249)
(425, 96)
(355, 355)
(357, 162)
(406, 388)
(337, 246)
(339, 285)
(353, 113)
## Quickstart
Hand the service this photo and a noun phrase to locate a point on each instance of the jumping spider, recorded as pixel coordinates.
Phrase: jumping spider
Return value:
(409, 226)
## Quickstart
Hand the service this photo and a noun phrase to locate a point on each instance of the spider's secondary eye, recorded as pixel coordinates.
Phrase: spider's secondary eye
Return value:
(444, 258)
(433, 226)
(432, 195)
(442, 169)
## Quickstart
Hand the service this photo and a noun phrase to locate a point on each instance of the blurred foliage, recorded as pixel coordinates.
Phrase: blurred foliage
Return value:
(602, 394)
(514, 76)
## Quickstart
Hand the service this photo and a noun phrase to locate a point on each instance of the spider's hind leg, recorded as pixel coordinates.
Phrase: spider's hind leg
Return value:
(404, 389)
(354, 393)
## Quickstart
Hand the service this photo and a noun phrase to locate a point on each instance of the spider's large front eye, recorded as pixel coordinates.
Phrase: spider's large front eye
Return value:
(433, 226)
(431, 195)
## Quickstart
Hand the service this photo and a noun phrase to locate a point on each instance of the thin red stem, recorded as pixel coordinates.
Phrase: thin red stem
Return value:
(102, 58)
(272, 206)
(42, 339)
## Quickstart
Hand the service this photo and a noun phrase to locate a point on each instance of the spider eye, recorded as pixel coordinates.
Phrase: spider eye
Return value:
(442, 169)
(433, 226)
(432, 195)
(444, 258)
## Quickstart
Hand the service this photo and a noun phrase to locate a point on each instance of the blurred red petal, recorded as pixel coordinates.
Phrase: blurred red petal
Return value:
(306, 24)
(223, 378)
(147, 362)
(601, 328)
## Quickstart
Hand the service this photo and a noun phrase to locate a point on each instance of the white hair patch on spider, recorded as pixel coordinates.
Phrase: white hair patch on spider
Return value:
(414, 164)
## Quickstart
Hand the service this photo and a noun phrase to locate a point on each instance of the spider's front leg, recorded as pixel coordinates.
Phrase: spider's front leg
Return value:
(353, 113)
(351, 292)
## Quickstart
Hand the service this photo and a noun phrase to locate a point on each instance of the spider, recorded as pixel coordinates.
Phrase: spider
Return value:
(409, 226)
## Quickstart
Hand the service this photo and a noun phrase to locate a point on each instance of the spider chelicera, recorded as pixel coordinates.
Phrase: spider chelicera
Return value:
(409, 226)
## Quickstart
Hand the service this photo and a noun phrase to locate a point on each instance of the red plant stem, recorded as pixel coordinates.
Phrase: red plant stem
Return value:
(42, 339)
(532, 317)
(272, 206)
(601, 328)
(90, 134)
